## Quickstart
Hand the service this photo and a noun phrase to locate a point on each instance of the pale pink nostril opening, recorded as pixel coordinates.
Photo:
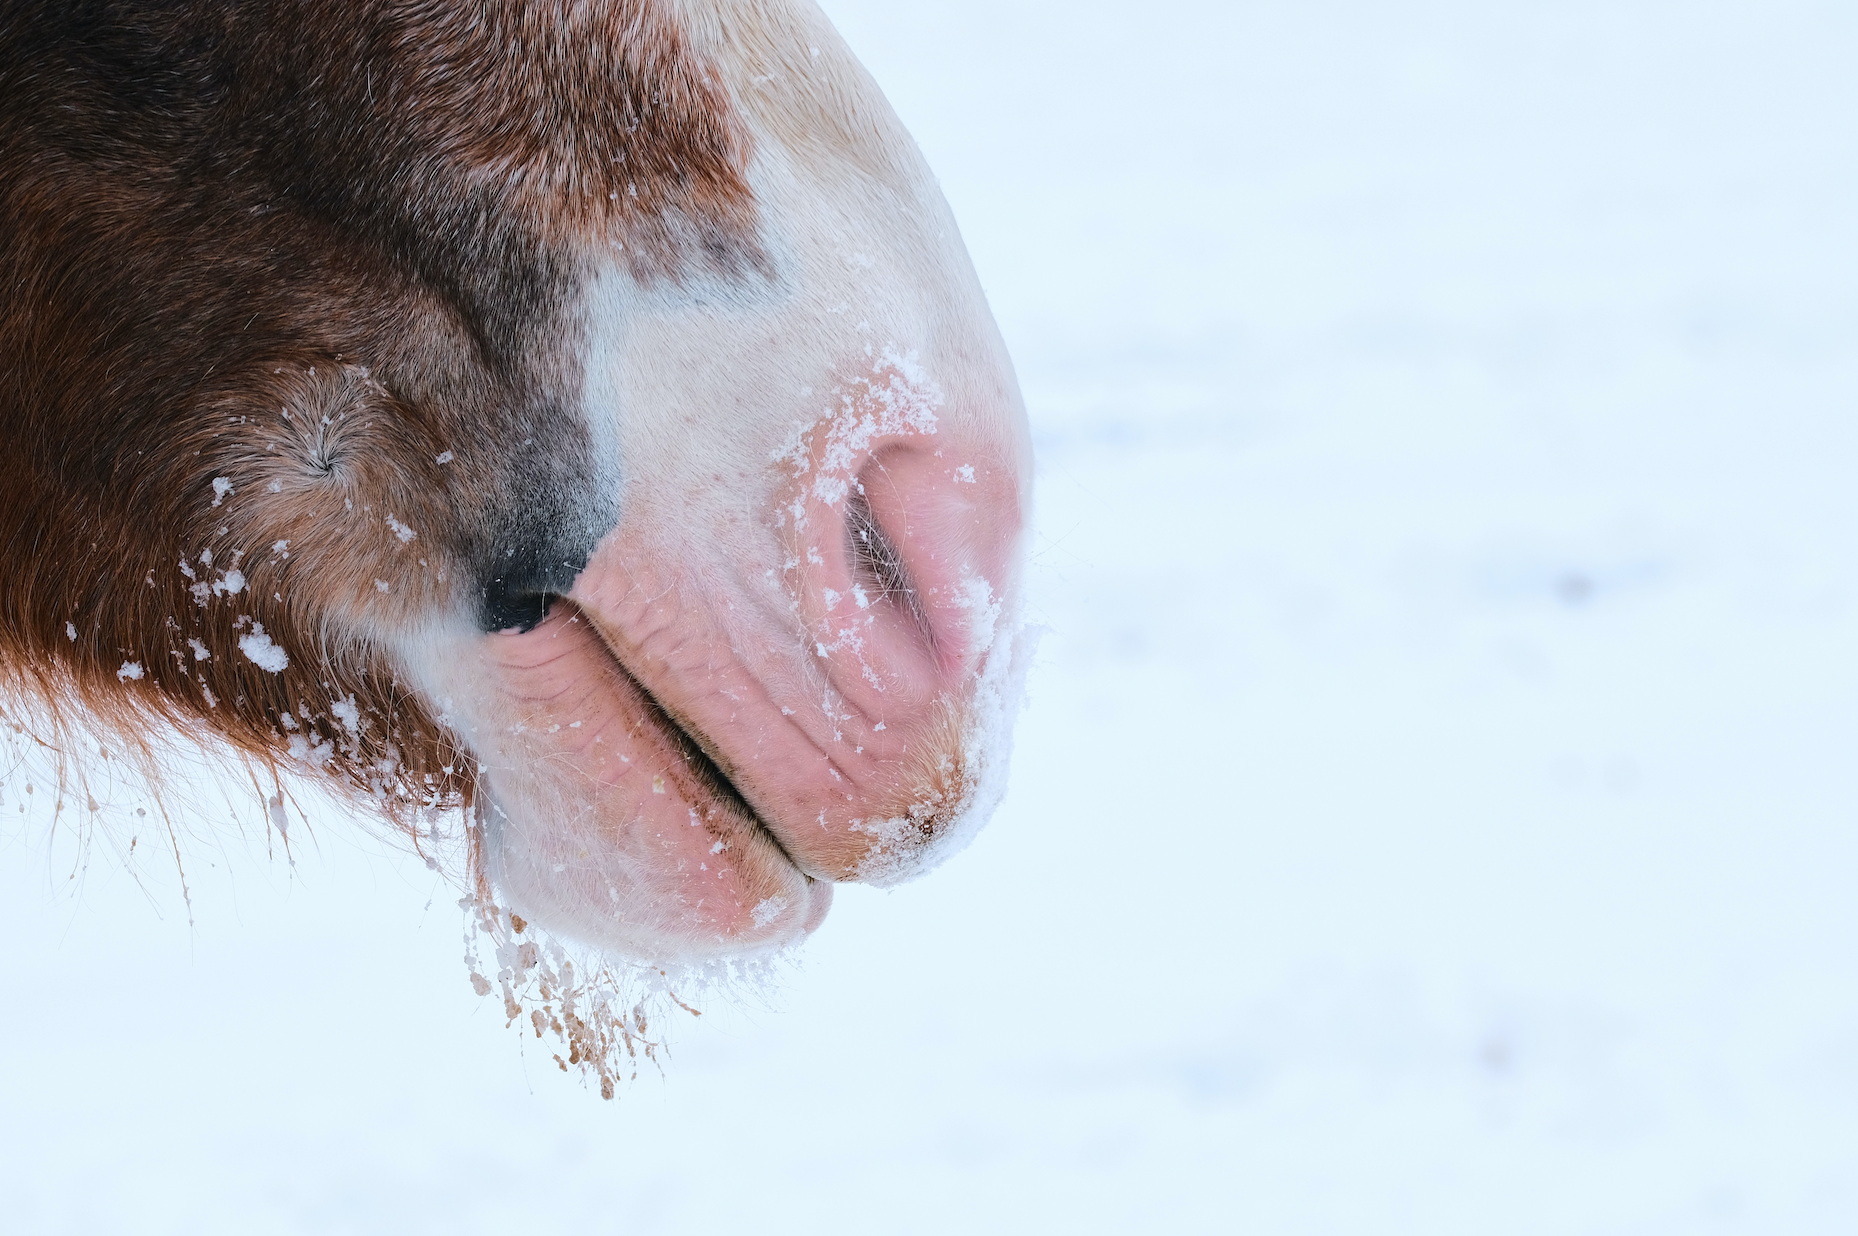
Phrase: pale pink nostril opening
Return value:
(933, 533)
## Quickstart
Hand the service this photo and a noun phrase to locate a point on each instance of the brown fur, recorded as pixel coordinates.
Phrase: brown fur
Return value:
(308, 248)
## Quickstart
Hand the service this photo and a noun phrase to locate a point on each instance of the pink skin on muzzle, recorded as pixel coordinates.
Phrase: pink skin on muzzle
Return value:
(703, 752)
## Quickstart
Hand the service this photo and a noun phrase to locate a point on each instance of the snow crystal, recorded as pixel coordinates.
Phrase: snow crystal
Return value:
(71, 632)
(400, 530)
(200, 650)
(767, 911)
(130, 670)
(444, 457)
(347, 713)
(264, 654)
(221, 487)
(318, 755)
(905, 403)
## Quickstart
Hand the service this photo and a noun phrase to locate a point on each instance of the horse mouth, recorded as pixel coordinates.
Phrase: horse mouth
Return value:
(614, 820)
(701, 773)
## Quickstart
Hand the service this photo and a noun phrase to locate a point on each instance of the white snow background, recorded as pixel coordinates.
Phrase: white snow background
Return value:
(1436, 809)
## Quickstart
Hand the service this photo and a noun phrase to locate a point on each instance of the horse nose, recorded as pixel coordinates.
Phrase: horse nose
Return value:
(909, 601)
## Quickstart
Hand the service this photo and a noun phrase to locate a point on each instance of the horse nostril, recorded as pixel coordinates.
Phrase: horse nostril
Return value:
(520, 577)
(877, 566)
(508, 610)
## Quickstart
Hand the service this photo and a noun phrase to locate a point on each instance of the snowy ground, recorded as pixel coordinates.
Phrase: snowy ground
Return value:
(1437, 812)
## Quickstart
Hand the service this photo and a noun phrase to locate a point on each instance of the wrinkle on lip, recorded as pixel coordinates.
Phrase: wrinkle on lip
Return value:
(614, 827)
(695, 733)
(700, 776)
(825, 778)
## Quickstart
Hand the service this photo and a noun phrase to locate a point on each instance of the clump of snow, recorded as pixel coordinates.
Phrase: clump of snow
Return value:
(400, 530)
(347, 713)
(263, 653)
(71, 632)
(130, 671)
(597, 1009)
(314, 754)
(897, 399)
(221, 487)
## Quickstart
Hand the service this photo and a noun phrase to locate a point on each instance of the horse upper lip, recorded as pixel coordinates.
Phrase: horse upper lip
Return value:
(700, 755)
